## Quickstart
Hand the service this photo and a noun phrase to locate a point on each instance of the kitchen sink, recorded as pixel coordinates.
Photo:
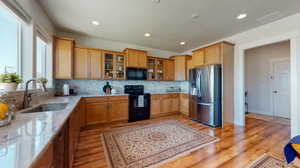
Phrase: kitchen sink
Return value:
(47, 107)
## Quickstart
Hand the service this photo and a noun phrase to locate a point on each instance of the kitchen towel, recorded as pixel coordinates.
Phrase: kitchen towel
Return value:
(141, 101)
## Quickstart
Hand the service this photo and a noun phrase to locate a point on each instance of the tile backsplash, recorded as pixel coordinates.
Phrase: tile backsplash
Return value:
(95, 86)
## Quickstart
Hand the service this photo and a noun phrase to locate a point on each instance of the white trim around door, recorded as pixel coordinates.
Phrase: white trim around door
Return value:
(239, 78)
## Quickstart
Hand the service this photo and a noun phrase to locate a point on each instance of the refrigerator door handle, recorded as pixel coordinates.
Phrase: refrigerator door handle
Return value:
(206, 104)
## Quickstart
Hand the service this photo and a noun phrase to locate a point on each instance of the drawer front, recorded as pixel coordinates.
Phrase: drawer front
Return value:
(96, 99)
(155, 96)
(117, 98)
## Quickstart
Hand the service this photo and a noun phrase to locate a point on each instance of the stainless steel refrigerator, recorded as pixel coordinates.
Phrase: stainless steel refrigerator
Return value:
(205, 95)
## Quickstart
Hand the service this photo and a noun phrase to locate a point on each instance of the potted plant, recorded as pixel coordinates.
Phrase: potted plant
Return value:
(43, 82)
(9, 81)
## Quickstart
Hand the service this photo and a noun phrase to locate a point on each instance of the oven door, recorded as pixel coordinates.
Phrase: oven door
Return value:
(136, 74)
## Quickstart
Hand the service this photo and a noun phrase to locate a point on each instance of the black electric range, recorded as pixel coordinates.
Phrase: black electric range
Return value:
(139, 103)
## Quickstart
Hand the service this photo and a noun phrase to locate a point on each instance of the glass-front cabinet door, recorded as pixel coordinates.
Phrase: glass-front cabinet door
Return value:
(114, 65)
(119, 66)
(159, 69)
(151, 68)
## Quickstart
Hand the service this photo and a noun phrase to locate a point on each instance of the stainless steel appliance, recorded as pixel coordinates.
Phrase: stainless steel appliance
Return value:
(205, 95)
(139, 103)
(136, 74)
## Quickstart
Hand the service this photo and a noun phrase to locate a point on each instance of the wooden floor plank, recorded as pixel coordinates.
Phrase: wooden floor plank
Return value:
(236, 148)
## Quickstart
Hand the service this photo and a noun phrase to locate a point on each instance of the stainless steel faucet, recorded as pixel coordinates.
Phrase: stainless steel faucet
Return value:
(27, 97)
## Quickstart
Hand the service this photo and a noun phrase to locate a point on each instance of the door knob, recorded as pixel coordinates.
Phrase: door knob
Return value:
(275, 91)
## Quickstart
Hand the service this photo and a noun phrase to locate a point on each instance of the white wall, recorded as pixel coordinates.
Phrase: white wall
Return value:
(38, 15)
(258, 74)
(96, 42)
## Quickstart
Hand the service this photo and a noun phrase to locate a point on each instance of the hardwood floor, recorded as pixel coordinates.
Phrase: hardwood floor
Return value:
(275, 119)
(238, 146)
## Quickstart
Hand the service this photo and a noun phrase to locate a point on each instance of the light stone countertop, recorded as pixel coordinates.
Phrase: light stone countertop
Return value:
(27, 136)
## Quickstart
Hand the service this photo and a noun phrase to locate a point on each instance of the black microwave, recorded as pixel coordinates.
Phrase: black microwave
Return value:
(136, 74)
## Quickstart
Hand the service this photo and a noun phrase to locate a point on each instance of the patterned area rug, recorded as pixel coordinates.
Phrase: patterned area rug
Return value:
(153, 144)
(268, 161)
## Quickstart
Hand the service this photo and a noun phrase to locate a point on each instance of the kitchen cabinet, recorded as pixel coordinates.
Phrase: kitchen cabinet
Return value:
(63, 58)
(189, 66)
(61, 148)
(73, 134)
(213, 54)
(151, 68)
(180, 67)
(155, 105)
(96, 111)
(87, 63)
(184, 104)
(164, 104)
(82, 113)
(114, 65)
(46, 158)
(169, 70)
(81, 63)
(118, 109)
(198, 58)
(136, 58)
(96, 65)
(160, 69)
(106, 109)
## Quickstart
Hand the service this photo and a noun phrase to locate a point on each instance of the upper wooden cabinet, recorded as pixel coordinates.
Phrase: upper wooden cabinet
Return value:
(136, 58)
(63, 58)
(114, 65)
(198, 58)
(81, 63)
(169, 70)
(87, 63)
(189, 66)
(160, 69)
(180, 67)
(213, 54)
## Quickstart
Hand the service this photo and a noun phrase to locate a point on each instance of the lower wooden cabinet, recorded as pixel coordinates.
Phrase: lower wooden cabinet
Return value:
(118, 110)
(97, 112)
(164, 104)
(73, 134)
(155, 105)
(105, 110)
(184, 104)
(46, 159)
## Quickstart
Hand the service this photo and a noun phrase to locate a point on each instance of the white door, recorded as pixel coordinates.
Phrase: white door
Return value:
(281, 88)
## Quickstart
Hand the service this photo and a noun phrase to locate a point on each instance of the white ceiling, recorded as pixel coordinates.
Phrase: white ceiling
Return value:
(169, 22)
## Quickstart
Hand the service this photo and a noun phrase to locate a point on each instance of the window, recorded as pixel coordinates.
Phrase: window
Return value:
(41, 50)
(9, 42)
(26, 48)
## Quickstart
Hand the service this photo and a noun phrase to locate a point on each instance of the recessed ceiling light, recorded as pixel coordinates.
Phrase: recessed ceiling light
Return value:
(96, 23)
(156, 1)
(147, 35)
(195, 16)
(182, 43)
(242, 16)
